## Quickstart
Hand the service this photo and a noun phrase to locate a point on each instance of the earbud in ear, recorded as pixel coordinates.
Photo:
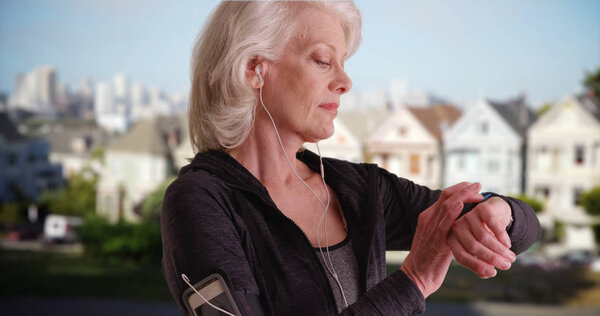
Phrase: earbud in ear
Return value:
(257, 70)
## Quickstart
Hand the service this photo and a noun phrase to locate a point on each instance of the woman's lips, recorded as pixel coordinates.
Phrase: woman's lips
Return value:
(330, 107)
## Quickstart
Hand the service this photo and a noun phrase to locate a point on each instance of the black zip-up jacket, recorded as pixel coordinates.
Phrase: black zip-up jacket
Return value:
(205, 229)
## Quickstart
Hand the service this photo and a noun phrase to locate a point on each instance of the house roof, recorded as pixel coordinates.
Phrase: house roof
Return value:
(591, 104)
(148, 136)
(61, 138)
(515, 112)
(436, 117)
(362, 123)
(8, 130)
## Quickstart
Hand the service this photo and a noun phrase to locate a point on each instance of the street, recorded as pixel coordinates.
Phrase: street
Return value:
(92, 307)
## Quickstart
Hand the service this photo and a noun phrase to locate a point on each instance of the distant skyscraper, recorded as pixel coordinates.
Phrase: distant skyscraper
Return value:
(85, 88)
(104, 101)
(86, 93)
(47, 85)
(121, 88)
(139, 96)
(36, 91)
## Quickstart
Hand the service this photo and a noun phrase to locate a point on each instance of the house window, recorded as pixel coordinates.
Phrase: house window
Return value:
(402, 131)
(460, 161)
(493, 166)
(577, 196)
(579, 153)
(12, 159)
(543, 192)
(483, 127)
(415, 163)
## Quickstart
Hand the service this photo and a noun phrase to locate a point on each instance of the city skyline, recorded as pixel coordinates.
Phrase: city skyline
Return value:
(460, 51)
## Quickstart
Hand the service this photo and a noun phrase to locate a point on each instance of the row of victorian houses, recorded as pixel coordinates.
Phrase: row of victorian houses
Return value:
(502, 145)
(554, 157)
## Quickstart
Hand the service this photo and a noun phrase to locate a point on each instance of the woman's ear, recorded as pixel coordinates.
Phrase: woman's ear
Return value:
(251, 77)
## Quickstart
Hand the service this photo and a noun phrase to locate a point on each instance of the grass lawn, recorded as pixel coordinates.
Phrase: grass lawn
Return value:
(27, 273)
(46, 274)
(520, 285)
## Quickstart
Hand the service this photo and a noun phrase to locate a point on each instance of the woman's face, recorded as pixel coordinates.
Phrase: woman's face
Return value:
(302, 90)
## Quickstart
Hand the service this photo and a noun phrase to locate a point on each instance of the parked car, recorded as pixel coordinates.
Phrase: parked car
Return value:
(24, 232)
(577, 259)
(536, 261)
(594, 265)
(61, 228)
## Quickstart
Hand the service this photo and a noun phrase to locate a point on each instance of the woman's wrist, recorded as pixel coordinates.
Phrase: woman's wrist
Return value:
(415, 280)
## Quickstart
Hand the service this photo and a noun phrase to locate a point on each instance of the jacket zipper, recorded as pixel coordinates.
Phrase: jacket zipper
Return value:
(306, 240)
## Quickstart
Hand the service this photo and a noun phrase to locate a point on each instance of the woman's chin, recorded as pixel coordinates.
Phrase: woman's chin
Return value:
(325, 133)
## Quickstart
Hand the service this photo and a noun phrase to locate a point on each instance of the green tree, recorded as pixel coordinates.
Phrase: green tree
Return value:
(535, 204)
(121, 242)
(10, 214)
(98, 153)
(543, 109)
(77, 198)
(590, 200)
(559, 231)
(152, 206)
(592, 82)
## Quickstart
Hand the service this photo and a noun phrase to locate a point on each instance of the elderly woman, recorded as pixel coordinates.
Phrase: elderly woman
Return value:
(291, 233)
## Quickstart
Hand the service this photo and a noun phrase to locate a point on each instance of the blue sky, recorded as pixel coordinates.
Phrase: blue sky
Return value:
(459, 50)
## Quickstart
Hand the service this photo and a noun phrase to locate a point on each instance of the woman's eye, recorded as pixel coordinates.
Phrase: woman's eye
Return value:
(322, 63)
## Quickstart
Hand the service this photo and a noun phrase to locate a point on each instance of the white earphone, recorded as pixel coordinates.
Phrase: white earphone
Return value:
(327, 261)
(257, 70)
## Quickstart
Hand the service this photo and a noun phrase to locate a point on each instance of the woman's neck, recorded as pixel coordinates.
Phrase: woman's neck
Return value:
(262, 155)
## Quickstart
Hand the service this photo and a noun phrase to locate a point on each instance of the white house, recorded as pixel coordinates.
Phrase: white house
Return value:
(486, 145)
(135, 165)
(409, 142)
(25, 171)
(341, 145)
(72, 147)
(563, 161)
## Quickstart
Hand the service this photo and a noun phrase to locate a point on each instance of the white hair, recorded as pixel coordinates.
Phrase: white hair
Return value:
(222, 103)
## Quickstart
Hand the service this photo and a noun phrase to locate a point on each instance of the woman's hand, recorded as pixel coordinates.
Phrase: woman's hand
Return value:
(430, 255)
(479, 240)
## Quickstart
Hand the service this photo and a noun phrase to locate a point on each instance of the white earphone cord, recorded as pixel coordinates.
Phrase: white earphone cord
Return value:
(186, 280)
(325, 207)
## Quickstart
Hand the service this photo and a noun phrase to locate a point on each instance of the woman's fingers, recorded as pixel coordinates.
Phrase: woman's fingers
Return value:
(483, 235)
(496, 216)
(483, 269)
(452, 200)
(473, 247)
(448, 217)
(449, 191)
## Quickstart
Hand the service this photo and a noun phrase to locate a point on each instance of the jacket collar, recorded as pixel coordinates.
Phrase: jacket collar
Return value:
(221, 164)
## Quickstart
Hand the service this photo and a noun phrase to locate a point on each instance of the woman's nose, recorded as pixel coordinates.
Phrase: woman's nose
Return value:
(342, 83)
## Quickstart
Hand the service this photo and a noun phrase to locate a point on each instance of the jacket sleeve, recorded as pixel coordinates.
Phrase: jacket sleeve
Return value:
(394, 295)
(403, 201)
(200, 238)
